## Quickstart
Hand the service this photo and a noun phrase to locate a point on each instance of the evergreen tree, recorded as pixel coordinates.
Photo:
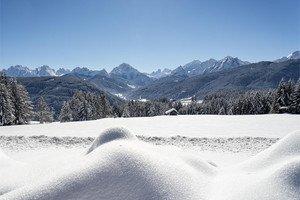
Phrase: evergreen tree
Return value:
(283, 99)
(77, 105)
(106, 109)
(6, 106)
(65, 113)
(85, 106)
(21, 103)
(44, 112)
(126, 112)
(295, 98)
(222, 111)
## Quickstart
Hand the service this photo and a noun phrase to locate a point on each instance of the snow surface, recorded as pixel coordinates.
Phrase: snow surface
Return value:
(274, 126)
(120, 166)
(205, 157)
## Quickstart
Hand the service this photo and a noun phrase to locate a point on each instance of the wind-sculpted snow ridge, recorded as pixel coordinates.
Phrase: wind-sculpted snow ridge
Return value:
(119, 166)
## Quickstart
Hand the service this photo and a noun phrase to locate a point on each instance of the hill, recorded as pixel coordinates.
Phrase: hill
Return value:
(56, 90)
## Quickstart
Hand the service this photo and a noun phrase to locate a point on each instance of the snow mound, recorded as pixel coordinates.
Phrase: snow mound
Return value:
(118, 166)
(126, 169)
(109, 135)
(273, 174)
(286, 148)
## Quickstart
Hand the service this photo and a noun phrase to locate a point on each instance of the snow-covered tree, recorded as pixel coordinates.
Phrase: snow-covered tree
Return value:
(295, 98)
(65, 113)
(85, 106)
(44, 112)
(106, 109)
(126, 112)
(6, 106)
(222, 111)
(283, 99)
(21, 103)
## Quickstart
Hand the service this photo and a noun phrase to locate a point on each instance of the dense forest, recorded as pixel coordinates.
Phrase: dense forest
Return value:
(16, 108)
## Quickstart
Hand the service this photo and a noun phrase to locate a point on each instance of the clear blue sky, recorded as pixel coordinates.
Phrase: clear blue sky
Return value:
(146, 34)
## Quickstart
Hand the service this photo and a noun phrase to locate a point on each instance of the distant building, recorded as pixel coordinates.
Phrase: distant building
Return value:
(284, 109)
(172, 111)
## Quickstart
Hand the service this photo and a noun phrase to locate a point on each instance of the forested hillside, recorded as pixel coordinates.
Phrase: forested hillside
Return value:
(56, 90)
(262, 75)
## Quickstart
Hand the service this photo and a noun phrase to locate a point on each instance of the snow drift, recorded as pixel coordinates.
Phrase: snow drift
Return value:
(118, 166)
(271, 174)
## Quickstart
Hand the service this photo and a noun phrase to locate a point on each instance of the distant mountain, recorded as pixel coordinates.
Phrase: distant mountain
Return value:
(179, 71)
(130, 75)
(18, 71)
(105, 82)
(196, 67)
(160, 73)
(22, 71)
(262, 75)
(225, 63)
(62, 71)
(84, 72)
(44, 71)
(293, 56)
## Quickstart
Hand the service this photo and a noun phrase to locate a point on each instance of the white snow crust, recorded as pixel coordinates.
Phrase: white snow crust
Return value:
(119, 166)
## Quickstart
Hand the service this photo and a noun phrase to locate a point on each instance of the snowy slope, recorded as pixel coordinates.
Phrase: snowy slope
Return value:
(165, 126)
(119, 166)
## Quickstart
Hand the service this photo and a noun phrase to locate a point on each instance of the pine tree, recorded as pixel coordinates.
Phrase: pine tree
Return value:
(85, 106)
(106, 108)
(21, 103)
(44, 112)
(222, 111)
(295, 98)
(126, 112)
(102, 106)
(65, 113)
(77, 105)
(283, 99)
(6, 106)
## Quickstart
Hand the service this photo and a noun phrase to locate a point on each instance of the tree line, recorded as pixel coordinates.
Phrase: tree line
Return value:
(284, 99)
(16, 108)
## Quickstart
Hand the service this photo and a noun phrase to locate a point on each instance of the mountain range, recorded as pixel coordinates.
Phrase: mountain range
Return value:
(255, 76)
(194, 78)
(129, 74)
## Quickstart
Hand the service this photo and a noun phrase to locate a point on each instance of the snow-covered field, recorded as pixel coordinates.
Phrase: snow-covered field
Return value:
(166, 126)
(166, 157)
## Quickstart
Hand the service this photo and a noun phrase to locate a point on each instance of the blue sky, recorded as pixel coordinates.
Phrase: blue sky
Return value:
(146, 34)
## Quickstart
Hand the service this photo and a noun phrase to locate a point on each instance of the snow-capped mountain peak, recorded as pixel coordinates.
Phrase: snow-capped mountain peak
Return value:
(62, 71)
(130, 75)
(22, 71)
(294, 55)
(18, 71)
(160, 73)
(228, 62)
(44, 71)
(124, 68)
